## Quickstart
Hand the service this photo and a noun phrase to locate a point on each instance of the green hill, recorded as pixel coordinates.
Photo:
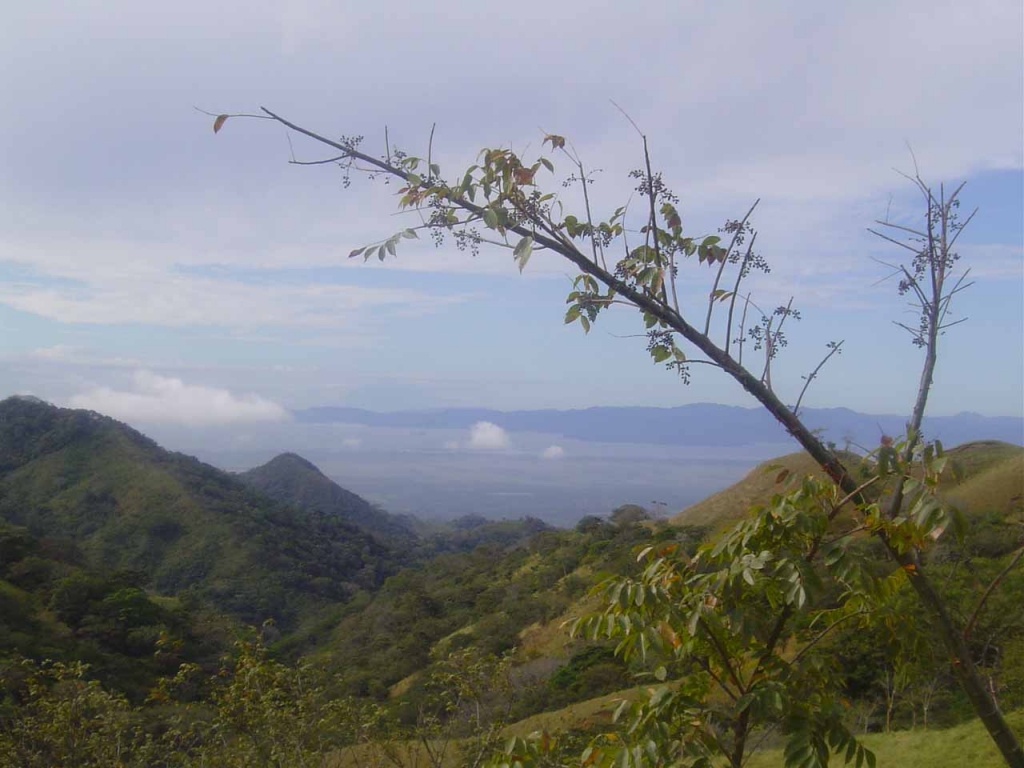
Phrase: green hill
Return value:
(291, 479)
(122, 503)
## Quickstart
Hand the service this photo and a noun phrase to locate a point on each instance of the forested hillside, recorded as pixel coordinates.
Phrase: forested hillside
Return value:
(119, 502)
(291, 479)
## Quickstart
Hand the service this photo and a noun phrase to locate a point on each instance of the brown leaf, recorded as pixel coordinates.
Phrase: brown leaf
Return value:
(219, 123)
(557, 142)
(523, 175)
(781, 476)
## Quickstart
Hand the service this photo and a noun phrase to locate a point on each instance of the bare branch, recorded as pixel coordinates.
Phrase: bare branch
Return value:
(901, 228)
(328, 161)
(834, 348)
(653, 227)
(852, 494)
(430, 154)
(892, 240)
(626, 115)
(725, 260)
(232, 114)
(736, 290)
(743, 327)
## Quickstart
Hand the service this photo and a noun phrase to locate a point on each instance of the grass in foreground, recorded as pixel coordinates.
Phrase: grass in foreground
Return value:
(962, 745)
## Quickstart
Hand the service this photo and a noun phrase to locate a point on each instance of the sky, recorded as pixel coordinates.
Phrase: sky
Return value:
(158, 272)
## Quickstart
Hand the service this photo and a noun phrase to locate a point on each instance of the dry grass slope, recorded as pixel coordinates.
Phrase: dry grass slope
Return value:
(733, 503)
(991, 478)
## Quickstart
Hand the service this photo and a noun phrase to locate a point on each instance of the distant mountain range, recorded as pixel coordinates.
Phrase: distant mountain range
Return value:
(699, 424)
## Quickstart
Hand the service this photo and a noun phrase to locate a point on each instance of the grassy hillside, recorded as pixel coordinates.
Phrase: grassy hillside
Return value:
(963, 745)
(993, 479)
(732, 503)
(984, 476)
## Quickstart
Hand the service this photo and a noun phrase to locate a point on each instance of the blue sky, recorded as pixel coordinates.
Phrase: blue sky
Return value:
(143, 257)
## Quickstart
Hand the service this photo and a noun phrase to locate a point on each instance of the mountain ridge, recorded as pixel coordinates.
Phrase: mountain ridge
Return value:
(697, 424)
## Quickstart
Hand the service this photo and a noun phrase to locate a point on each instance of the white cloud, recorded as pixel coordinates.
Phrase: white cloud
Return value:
(451, 445)
(351, 442)
(101, 282)
(63, 353)
(487, 436)
(160, 399)
(553, 452)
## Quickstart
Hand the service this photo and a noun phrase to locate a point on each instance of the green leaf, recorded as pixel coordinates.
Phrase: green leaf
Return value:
(660, 674)
(547, 164)
(410, 234)
(522, 251)
(585, 323)
(572, 314)
(661, 353)
(356, 252)
(490, 218)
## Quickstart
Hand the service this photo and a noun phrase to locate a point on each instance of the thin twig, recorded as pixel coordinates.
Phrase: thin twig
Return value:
(717, 645)
(317, 162)
(988, 591)
(813, 374)
(626, 115)
(736, 290)
(822, 634)
(842, 536)
(892, 240)
(721, 684)
(743, 324)
(901, 228)
(725, 260)
(654, 221)
(233, 114)
(853, 494)
(430, 154)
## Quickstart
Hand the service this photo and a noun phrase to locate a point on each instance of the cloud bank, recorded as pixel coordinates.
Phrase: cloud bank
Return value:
(156, 399)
